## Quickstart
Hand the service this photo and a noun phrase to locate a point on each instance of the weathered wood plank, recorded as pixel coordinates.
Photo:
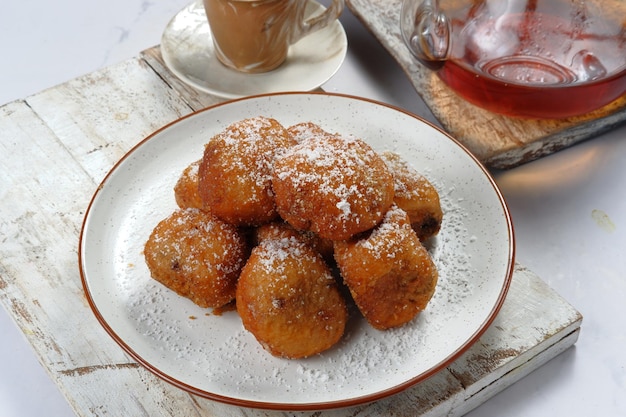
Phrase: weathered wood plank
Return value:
(499, 141)
(100, 116)
(39, 278)
(54, 149)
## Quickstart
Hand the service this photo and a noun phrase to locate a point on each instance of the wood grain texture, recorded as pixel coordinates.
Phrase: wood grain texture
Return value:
(55, 148)
(498, 141)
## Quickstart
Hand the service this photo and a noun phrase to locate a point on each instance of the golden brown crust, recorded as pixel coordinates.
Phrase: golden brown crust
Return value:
(235, 172)
(197, 255)
(186, 188)
(288, 299)
(389, 273)
(333, 186)
(415, 195)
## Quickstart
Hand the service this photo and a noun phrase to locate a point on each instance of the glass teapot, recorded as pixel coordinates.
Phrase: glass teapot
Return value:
(523, 58)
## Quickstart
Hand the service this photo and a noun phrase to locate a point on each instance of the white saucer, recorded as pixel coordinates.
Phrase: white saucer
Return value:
(188, 51)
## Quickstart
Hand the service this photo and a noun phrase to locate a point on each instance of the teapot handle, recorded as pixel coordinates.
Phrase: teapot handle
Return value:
(426, 31)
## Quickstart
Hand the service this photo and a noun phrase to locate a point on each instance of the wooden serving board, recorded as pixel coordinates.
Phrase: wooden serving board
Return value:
(55, 148)
(498, 141)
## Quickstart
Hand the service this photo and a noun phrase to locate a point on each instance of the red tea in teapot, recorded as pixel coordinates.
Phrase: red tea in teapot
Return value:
(536, 58)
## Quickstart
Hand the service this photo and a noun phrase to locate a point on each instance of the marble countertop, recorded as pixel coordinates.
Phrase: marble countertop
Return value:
(569, 209)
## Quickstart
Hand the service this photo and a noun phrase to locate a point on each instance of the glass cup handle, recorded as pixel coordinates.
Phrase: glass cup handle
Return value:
(426, 31)
(306, 27)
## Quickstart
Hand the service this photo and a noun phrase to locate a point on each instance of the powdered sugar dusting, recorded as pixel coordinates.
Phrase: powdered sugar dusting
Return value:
(334, 185)
(306, 130)
(379, 246)
(243, 154)
(277, 250)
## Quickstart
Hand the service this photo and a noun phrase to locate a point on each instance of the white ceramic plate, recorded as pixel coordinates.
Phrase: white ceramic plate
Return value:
(188, 51)
(213, 356)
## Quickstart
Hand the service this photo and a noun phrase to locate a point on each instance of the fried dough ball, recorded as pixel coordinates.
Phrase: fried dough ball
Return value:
(235, 172)
(389, 273)
(333, 186)
(415, 195)
(197, 255)
(306, 130)
(288, 299)
(186, 188)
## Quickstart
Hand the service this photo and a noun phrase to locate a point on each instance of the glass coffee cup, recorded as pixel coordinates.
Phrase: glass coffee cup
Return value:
(523, 58)
(254, 35)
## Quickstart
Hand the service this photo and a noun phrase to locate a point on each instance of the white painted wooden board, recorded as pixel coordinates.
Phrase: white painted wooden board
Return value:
(56, 146)
(498, 141)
